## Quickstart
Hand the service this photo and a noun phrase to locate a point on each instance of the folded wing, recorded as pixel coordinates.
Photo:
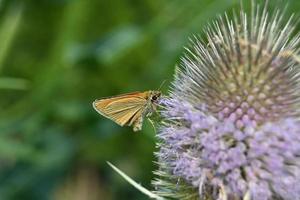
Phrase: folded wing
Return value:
(124, 110)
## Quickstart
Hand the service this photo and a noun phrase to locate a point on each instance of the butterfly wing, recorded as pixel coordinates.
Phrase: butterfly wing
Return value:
(137, 120)
(124, 109)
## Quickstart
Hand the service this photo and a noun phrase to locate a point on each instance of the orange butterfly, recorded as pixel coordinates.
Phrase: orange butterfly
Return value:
(128, 109)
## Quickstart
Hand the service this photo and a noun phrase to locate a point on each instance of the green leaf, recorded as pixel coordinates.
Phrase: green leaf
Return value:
(13, 83)
(8, 29)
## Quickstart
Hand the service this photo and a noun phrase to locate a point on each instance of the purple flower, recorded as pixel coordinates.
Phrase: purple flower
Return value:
(231, 123)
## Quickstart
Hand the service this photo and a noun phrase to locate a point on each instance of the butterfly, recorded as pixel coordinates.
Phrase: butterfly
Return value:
(129, 109)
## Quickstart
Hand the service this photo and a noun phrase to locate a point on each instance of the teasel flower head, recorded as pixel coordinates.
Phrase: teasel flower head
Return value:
(230, 127)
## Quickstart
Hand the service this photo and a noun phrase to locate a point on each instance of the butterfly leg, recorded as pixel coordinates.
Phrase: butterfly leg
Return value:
(150, 110)
(149, 114)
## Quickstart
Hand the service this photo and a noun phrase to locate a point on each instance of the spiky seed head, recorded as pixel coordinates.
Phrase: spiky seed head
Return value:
(231, 123)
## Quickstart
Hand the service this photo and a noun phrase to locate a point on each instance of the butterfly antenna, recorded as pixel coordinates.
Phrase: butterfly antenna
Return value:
(164, 81)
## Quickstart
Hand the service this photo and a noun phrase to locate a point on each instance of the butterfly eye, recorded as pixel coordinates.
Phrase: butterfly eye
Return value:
(154, 98)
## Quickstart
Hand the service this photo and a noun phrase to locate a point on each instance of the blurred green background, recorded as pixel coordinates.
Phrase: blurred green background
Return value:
(56, 57)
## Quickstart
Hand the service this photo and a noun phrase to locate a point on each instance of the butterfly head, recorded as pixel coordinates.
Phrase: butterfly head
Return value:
(154, 96)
